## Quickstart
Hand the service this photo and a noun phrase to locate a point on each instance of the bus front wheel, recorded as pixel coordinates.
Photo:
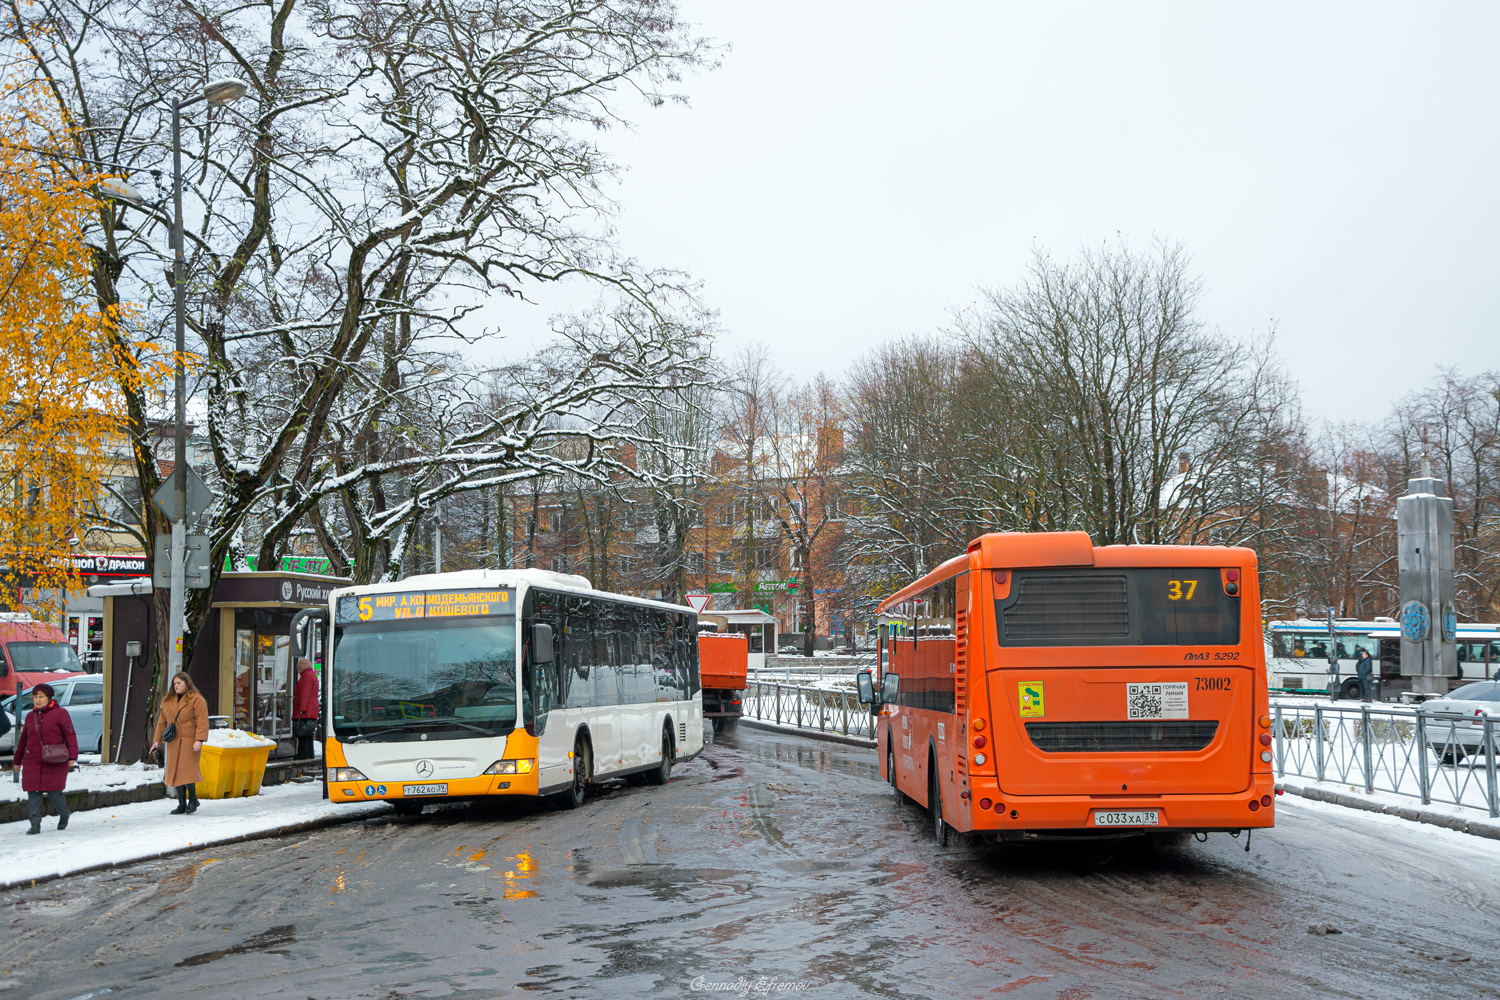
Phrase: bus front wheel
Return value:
(583, 773)
(659, 775)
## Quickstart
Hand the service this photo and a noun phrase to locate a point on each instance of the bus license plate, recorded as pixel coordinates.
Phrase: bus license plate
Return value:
(425, 789)
(1127, 817)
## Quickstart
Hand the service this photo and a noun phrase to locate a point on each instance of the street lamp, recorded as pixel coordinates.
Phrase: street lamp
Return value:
(217, 92)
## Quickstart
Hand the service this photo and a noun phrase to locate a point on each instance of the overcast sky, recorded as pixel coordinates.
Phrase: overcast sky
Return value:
(853, 172)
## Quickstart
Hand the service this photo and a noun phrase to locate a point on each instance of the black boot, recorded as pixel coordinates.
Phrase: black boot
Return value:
(192, 797)
(181, 802)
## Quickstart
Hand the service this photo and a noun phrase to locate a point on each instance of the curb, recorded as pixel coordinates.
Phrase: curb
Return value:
(812, 734)
(1485, 827)
(304, 826)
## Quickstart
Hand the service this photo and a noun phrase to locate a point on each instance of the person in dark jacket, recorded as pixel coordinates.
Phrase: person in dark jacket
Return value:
(1364, 669)
(305, 708)
(48, 725)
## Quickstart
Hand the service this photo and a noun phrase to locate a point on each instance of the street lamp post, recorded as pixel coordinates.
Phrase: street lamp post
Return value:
(218, 92)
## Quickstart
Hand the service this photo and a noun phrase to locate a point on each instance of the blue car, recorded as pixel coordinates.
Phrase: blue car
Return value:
(82, 696)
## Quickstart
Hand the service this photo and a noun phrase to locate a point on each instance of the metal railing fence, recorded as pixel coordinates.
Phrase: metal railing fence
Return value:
(807, 708)
(1430, 756)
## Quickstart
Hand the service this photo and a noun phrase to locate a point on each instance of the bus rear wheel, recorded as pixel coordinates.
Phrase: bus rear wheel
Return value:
(660, 775)
(935, 801)
(890, 764)
(583, 773)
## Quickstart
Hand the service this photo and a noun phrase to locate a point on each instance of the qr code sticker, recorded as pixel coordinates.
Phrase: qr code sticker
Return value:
(1143, 701)
(1156, 701)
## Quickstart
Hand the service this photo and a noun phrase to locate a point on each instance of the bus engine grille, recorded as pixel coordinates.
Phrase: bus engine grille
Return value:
(1121, 737)
(1064, 607)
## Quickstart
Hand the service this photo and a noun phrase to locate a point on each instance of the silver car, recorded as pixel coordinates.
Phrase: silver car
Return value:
(1454, 723)
(82, 696)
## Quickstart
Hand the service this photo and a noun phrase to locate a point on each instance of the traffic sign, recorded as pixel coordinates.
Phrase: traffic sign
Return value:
(198, 496)
(699, 601)
(195, 565)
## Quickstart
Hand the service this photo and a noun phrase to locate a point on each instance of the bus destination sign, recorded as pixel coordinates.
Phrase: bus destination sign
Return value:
(400, 606)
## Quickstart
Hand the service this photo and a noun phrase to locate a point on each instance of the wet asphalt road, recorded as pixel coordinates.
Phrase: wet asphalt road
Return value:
(775, 861)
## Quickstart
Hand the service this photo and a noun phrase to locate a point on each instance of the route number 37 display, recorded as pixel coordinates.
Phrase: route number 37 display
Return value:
(1181, 590)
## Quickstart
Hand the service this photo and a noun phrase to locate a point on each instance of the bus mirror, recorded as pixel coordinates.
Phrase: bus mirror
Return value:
(889, 686)
(541, 643)
(866, 685)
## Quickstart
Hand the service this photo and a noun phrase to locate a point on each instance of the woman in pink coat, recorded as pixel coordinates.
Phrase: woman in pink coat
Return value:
(46, 725)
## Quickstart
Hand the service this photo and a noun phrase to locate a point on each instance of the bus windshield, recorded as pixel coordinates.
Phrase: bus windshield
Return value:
(1118, 607)
(424, 676)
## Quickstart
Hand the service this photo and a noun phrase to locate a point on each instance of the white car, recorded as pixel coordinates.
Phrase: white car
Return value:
(1454, 723)
(81, 695)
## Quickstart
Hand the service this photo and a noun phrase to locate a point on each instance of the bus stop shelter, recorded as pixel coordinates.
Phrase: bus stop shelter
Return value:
(241, 660)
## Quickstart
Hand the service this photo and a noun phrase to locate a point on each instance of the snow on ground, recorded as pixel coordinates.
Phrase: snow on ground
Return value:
(91, 777)
(1453, 844)
(147, 829)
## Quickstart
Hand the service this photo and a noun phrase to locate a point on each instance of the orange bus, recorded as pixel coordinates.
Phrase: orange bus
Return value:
(1038, 687)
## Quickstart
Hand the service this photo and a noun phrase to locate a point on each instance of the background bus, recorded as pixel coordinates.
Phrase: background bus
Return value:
(517, 682)
(1297, 654)
(1048, 688)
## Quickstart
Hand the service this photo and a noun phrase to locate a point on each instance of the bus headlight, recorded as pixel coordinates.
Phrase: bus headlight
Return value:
(521, 765)
(345, 774)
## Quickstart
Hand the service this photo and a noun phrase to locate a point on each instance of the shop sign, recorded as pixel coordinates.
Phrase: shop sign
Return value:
(237, 589)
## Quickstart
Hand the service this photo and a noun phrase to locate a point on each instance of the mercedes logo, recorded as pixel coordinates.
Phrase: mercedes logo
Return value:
(424, 768)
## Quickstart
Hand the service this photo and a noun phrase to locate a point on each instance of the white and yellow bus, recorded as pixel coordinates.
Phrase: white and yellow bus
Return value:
(514, 682)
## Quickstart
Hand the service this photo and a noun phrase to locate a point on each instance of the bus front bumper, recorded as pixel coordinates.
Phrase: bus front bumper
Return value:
(371, 790)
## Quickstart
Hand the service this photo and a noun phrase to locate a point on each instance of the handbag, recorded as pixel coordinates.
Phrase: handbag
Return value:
(52, 753)
(170, 733)
(304, 728)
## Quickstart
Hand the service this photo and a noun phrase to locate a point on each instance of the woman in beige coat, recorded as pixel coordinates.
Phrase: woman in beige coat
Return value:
(185, 708)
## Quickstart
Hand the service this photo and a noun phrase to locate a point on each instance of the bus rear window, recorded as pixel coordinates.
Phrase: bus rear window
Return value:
(1118, 607)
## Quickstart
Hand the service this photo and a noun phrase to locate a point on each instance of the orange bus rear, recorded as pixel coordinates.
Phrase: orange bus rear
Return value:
(1040, 687)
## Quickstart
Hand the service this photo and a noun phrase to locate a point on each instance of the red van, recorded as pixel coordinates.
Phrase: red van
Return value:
(32, 652)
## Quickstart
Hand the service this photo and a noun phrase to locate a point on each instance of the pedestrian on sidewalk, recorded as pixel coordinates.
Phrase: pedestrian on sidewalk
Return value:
(305, 708)
(1363, 669)
(182, 725)
(47, 749)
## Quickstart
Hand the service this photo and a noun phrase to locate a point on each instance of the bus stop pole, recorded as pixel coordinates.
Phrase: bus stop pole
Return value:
(15, 765)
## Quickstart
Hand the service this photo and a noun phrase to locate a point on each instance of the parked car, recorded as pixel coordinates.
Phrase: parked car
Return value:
(82, 695)
(1455, 722)
(32, 652)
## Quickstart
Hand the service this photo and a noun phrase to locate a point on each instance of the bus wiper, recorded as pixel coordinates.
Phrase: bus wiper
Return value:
(403, 727)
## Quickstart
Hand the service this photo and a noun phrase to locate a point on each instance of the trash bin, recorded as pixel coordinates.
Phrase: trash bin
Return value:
(235, 766)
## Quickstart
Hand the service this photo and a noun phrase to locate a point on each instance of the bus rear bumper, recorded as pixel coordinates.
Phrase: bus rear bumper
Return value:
(1014, 817)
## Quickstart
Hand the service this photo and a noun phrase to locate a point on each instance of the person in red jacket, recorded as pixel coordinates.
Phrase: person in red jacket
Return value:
(47, 725)
(305, 708)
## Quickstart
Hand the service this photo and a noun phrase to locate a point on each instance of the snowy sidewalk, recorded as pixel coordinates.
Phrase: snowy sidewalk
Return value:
(104, 838)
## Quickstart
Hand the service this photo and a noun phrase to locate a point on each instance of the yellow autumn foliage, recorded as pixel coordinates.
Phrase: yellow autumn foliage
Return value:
(62, 363)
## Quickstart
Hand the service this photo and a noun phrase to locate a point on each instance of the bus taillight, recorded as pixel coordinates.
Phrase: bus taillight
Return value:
(979, 742)
(1232, 582)
(978, 725)
(985, 803)
(1255, 805)
(1265, 800)
(1265, 739)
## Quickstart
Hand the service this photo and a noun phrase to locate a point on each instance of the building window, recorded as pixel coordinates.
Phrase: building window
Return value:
(723, 563)
(695, 562)
(560, 564)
